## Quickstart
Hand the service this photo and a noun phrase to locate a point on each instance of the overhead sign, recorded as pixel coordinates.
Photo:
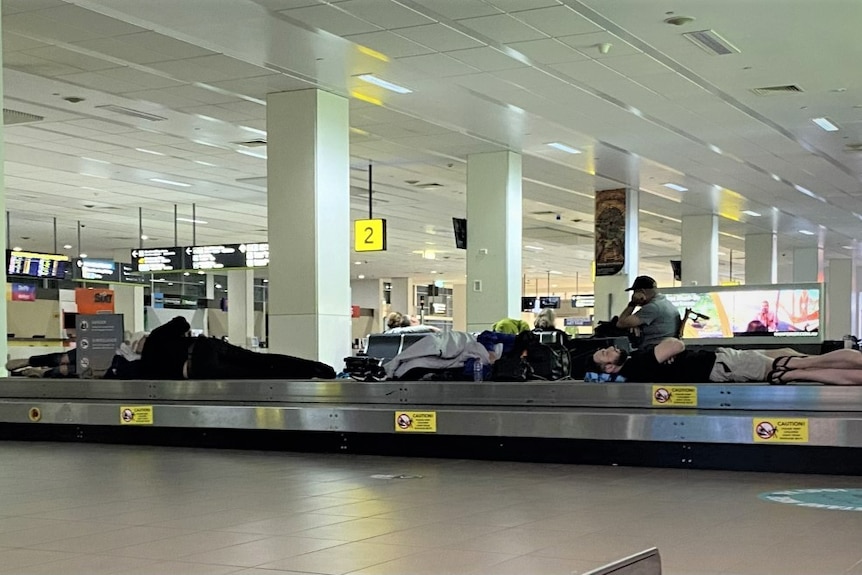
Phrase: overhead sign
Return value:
(36, 264)
(129, 275)
(369, 235)
(227, 256)
(158, 259)
(96, 270)
(584, 300)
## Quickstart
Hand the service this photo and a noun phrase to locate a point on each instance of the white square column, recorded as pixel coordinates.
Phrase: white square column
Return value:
(240, 307)
(808, 264)
(4, 347)
(840, 298)
(308, 212)
(494, 208)
(700, 250)
(761, 259)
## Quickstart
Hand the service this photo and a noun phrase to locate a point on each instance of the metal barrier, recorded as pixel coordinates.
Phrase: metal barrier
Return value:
(646, 562)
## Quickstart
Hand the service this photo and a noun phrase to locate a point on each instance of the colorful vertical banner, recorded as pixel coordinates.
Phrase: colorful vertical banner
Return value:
(610, 231)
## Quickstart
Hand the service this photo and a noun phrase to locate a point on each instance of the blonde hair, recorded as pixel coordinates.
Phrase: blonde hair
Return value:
(545, 319)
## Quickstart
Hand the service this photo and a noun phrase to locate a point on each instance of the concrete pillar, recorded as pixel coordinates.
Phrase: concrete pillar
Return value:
(129, 301)
(840, 298)
(494, 222)
(700, 250)
(611, 297)
(4, 348)
(459, 307)
(808, 264)
(240, 307)
(761, 259)
(308, 210)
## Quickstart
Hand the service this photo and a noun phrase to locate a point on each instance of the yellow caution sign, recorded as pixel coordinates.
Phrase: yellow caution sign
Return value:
(416, 421)
(136, 415)
(369, 235)
(674, 395)
(779, 430)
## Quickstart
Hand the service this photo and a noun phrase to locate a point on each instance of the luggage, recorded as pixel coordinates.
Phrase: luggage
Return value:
(535, 355)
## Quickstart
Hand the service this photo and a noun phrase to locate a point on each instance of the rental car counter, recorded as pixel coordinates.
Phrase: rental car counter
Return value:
(796, 428)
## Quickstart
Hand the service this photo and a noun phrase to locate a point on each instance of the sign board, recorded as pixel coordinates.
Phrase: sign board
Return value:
(584, 300)
(22, 292)
(369, 235)
(158, 259)
(416, 421)
(96, 270)
(94, 301)
(129, 275)
(674, 395)
(136, 415)
(98, 339)
(779, 429)
(36, 265)
(227, 256)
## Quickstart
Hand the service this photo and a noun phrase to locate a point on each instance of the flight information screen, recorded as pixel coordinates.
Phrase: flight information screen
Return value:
(37, 265)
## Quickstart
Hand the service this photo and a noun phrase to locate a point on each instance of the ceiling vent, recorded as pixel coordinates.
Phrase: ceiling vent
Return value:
(15, 117)
(256, 143)
(772, 90)
(710, 41)
(131, 112)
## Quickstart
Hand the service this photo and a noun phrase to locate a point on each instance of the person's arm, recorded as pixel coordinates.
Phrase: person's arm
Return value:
(668, 349)
(628, 319)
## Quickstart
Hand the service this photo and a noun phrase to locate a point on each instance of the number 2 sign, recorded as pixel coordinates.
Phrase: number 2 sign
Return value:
(369, 235)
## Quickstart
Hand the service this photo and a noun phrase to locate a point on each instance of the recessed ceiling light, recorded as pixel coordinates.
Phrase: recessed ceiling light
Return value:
(564, 148)
(372, 79)
(82, 256)
(170, 182)
(847, 247)
(259, 155)
(555, 272)
(186, 274)
(17, 249)
(266, 281)
(67, 247)
(676, 187)
(191, 221)
(145, 237)
(806, 232)
(153, 152)
(825, 124)
(537, 248)
(360, 276)
(207, 164)
(357, 263)
(751, 213)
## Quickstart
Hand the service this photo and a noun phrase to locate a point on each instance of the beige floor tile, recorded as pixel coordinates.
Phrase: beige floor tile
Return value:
(84, 565)
(342, 559)
(178, 568)
(438, 534)
(356, 529)
(533, 565)
(106, 541)
(183, 545)
(436, 562)
(255, 553)
(14, 560)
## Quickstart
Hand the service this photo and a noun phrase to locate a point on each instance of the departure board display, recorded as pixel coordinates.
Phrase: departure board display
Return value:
(36, 265)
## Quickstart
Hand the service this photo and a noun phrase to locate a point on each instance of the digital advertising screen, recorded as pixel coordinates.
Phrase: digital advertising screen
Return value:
(782, 311)
(528, 303)
(549, 301)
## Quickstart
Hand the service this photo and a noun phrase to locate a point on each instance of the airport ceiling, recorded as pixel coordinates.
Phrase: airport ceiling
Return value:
(130, 98)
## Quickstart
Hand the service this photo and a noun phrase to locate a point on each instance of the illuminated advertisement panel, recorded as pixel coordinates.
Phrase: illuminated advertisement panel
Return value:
(778, 311)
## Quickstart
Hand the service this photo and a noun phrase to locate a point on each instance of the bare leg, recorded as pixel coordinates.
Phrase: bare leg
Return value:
(825, 375)
(838, 359)
(781, 352)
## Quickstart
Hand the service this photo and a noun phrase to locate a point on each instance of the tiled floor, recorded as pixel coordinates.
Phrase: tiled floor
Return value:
(98, 509)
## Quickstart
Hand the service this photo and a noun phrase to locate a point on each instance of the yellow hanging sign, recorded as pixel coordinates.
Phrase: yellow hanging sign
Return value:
(369, 235)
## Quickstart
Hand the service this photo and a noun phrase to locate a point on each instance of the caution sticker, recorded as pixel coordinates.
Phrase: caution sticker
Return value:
(136, 415)
(779, 430)
(416, 421)
(674, 395)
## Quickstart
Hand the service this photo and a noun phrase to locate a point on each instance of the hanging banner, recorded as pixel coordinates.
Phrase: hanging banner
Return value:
(610, 231)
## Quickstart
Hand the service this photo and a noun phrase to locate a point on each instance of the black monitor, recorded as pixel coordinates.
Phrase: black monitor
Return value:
(676, 268)
(69, 320)
(460, 227)
(528, 303)
(549, 301)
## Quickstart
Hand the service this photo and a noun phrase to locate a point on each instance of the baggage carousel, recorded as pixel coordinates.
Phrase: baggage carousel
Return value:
(788, 428)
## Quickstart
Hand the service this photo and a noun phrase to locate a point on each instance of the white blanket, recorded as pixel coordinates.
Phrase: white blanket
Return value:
(439, 351)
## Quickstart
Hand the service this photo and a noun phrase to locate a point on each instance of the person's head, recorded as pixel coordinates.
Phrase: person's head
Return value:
(643, 289)
(396, 319)
(609, 359)
(764, 306)
(411, 320)
(545, 319)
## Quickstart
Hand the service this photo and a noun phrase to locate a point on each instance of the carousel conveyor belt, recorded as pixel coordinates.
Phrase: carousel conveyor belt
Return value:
(813, 415)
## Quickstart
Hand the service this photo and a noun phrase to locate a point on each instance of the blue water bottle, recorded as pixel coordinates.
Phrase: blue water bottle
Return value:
(477, 369)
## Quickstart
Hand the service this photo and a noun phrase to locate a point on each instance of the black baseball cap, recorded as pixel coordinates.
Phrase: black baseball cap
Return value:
(643, 282)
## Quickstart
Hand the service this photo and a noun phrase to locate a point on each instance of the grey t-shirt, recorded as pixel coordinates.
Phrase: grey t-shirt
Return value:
(659, 319)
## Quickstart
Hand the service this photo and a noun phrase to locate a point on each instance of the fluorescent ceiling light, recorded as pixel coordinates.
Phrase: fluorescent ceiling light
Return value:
(825, 124)
(94, 160)
(360, 276)
(67, 247)
(17, 249)
(676, 187)
(153, 152)
(170, 182)
(372, 79)
(260, 155)
(82, 256)
(205, 163)
(807, 192)
(751, 213)
(537, 248)
(145, 237)
(564, 148)
(191, 221)
(847, 247)
(806, 232)
(555, 272)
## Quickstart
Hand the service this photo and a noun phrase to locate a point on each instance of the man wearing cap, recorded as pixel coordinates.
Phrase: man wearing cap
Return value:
(656, 319)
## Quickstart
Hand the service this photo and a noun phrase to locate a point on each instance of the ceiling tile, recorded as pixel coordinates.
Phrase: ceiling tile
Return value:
(163, 44)
(589, 44)
(459, 9)
(547, 51)
(71, 58)
(99, 81)
(32, 65)
(436, 65)
(260, 86)
(557, 21)
(636, 65)
(331, 19)
(519, 5)
(142, 79)
(15, 42)
(392, 45)
(38, 25)
(439, 37)
(118, 48)
(486, 59)
(384, 13)
(103, 26)
(502, 28)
